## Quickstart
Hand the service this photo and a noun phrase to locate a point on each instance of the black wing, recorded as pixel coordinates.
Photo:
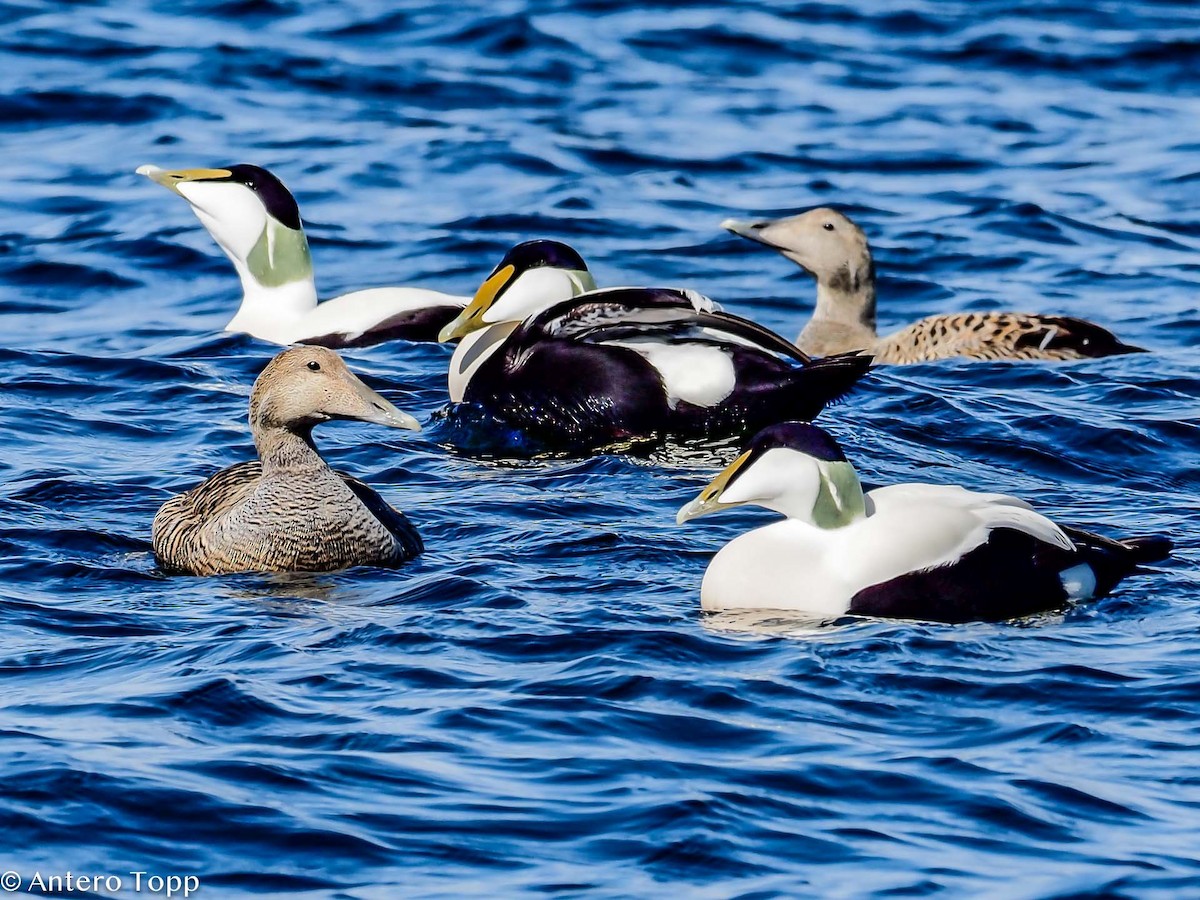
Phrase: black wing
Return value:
(609, 306)
(1011, 574)
(1068, 334)
(665, 313)
(422, 324)
(403, 530)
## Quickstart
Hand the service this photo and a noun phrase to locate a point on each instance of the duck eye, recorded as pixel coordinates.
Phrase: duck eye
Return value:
(314, 366)
(828, 226)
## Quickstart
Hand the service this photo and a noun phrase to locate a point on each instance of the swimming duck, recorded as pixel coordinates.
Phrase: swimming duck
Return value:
(910, 551)
(582, 368)
(831, 248)
(288, 511)
(256, 221)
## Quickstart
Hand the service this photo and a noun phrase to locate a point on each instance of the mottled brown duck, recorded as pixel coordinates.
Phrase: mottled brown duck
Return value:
(288, 511)
(831, 248)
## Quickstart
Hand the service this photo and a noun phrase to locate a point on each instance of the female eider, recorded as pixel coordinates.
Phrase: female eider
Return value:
(255, 220)
(288, 511)
(908, 551)
(584, 369)
(834, 250)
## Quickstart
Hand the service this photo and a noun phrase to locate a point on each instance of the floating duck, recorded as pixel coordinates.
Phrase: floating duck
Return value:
(909, 551)
(585, 369)
(831, 248)
(288, 511)
(256, 221)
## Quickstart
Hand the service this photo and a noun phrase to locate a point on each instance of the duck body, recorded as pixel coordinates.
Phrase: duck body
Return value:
(300, 519)
(909, 551)
(621, 366)
(358, 319)
(636, 364)
(288, 511)
(994, 336)
(834, 250)
(256, 222)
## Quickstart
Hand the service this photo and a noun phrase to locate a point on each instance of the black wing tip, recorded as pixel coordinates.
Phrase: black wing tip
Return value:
(1088, 339)
(831, 378)
(857, 361)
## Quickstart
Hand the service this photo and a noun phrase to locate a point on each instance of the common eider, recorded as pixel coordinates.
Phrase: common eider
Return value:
(831, 248)
(584, 369)
(256, 221)
(288, 511)
(910, 551)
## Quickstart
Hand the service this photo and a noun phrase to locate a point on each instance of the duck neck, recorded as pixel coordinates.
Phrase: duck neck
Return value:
(282, 449)
(840, 496)
(277, 280)
(844, 320)
(847, 297)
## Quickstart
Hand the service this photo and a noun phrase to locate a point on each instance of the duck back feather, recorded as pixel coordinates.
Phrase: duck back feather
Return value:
(999, 336)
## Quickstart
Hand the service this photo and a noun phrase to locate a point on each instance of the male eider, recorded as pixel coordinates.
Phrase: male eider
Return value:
(288, 511)
(255, 220)
(908, 551)
(834, 250)
(585, 369)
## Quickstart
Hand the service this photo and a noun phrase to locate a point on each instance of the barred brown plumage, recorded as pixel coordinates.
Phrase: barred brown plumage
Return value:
(288, 511)
(831, 248)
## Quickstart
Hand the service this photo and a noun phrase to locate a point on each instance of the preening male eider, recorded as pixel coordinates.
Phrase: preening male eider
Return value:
(585, 369)
(288, 511)
(909, 551)
(256, 221)
(831, 248)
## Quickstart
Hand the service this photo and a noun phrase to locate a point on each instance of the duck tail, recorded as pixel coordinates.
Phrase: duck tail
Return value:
(1079, 336)
(1149, 548)
(829, 378)
(1113, 559)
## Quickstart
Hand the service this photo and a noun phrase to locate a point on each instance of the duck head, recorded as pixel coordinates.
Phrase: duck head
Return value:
(792, 468)
(305, 386)
(831, 248)
(254, 219)
(533, 276)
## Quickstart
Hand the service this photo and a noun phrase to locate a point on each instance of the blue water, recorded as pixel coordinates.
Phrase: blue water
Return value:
(536, 706)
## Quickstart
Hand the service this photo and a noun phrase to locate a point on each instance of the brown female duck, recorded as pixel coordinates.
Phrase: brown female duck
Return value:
(831, 248)
(288, 511)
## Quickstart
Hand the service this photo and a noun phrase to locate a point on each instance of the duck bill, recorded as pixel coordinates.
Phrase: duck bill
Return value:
(751, 230)
(172, 178)
(471, 318)
(374, 408)
(709, 499)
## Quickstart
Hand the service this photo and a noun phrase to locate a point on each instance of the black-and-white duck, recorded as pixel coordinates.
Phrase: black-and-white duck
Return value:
(287, 511)
(834, 250)
(581, 368)
(256, 221)
(910, 551)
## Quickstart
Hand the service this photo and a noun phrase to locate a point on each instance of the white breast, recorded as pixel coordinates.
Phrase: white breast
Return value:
(472, 351)
(780, 566)
(274, 314)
